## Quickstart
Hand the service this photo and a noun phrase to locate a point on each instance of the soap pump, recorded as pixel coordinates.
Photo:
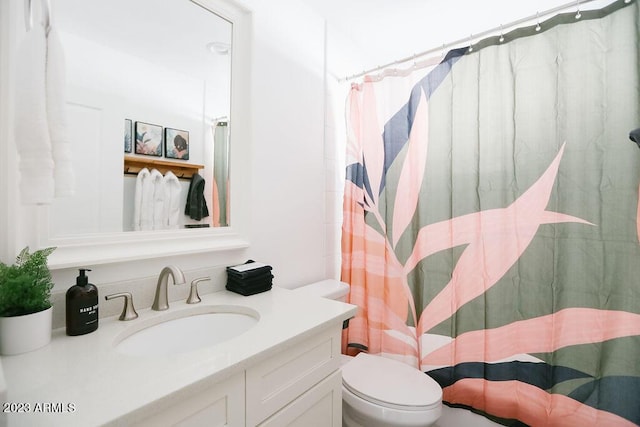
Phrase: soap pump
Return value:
(82, 306)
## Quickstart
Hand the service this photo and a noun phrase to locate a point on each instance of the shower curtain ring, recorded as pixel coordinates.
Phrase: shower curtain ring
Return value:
(538, 27)
(578, 14)
(501, 39)
(471, 43)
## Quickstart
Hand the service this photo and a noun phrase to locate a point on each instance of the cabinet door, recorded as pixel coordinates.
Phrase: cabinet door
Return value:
(217, 405)
(319, 407)
(278, 380)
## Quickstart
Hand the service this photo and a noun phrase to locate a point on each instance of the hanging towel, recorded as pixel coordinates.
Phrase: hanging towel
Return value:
(171, 200)
(64, 176)
(196, 204)
(157, 200)
(143, 178)
(31, 128)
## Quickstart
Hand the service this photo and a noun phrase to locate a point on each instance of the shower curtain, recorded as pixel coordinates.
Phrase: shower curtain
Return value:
(220, 196)
(491, 221)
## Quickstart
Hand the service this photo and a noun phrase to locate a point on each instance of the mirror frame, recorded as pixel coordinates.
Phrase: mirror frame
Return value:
(29, 225)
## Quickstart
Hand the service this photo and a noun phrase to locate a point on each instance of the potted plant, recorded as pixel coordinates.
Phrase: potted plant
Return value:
(25, 306)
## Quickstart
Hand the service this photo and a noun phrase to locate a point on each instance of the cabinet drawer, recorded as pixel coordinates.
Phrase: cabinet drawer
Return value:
(280, 379)
(319, 407)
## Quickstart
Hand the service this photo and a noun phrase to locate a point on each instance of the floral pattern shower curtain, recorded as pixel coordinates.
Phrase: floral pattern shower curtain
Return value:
(491, 229)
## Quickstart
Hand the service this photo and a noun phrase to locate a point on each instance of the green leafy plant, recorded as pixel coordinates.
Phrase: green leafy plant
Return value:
(25, 287)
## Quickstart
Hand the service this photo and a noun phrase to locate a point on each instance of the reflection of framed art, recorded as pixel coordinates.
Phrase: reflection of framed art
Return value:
(176, 144)
(128, 132)
(148, 139)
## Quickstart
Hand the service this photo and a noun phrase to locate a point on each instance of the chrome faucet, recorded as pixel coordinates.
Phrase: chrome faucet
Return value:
(161, 301)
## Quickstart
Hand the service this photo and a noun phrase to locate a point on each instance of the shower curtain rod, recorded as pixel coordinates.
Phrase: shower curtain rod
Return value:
(483, 34)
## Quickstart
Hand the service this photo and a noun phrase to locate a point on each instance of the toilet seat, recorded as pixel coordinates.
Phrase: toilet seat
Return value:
(390, 383)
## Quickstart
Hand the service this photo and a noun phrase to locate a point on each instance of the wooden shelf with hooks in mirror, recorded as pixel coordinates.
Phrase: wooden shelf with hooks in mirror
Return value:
(134, 164)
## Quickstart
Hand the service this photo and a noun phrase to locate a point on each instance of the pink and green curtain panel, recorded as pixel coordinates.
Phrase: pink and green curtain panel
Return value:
(491, 222)
(220, 196)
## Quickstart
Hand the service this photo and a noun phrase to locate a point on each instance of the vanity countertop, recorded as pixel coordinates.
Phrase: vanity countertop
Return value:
(83, 381)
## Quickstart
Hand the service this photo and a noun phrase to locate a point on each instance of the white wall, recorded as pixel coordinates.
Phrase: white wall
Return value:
(288, 227)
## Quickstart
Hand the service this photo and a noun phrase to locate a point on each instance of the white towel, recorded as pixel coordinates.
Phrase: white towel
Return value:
(56, 114)
(143, 181)
(171, 200)
(157, 201)
(31, 127)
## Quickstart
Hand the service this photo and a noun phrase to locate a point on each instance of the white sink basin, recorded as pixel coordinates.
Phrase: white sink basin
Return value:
(186, 330)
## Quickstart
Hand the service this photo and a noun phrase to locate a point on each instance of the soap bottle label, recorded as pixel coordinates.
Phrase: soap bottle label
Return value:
(87, 315)
(82, 315)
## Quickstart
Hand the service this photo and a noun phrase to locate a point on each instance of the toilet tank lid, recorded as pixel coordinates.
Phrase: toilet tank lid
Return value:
(330, 288)
(391, 383)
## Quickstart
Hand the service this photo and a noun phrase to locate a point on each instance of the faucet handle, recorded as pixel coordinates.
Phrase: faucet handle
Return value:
(128, 311)
(194, 298)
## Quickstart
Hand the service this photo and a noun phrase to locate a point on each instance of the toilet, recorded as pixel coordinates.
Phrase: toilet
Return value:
(397, 395)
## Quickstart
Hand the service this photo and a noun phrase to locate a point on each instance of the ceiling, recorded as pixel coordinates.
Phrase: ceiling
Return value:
(174, 35)
(362, 34)
(382, 31)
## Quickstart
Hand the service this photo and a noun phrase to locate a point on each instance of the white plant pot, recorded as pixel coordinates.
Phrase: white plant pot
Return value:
(21, 334)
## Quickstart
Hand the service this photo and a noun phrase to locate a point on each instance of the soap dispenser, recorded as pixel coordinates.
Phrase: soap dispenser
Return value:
(82, 306)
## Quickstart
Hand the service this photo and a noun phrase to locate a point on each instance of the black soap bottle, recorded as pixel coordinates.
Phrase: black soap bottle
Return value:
(82, 306)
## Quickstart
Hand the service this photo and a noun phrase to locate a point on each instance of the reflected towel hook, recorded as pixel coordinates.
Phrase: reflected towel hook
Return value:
(46, 15)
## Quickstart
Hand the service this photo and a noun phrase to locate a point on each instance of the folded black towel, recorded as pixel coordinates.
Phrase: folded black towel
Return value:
(248, 270)
(253, 281)
(249, 278)
(247, 292)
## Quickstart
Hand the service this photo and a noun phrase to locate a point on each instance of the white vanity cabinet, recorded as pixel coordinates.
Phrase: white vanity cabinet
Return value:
(299, 385)
(321, 406)
(221, 404)
(285, 371)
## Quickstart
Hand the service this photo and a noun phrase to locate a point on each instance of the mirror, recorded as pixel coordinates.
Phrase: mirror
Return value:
(148, 71)
(88, 229)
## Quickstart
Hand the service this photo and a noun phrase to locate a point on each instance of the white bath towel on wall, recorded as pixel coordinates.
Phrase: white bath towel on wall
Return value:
(57, 118)
(157, 201)
(31, 127)
(171, 200)
(141, 217)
